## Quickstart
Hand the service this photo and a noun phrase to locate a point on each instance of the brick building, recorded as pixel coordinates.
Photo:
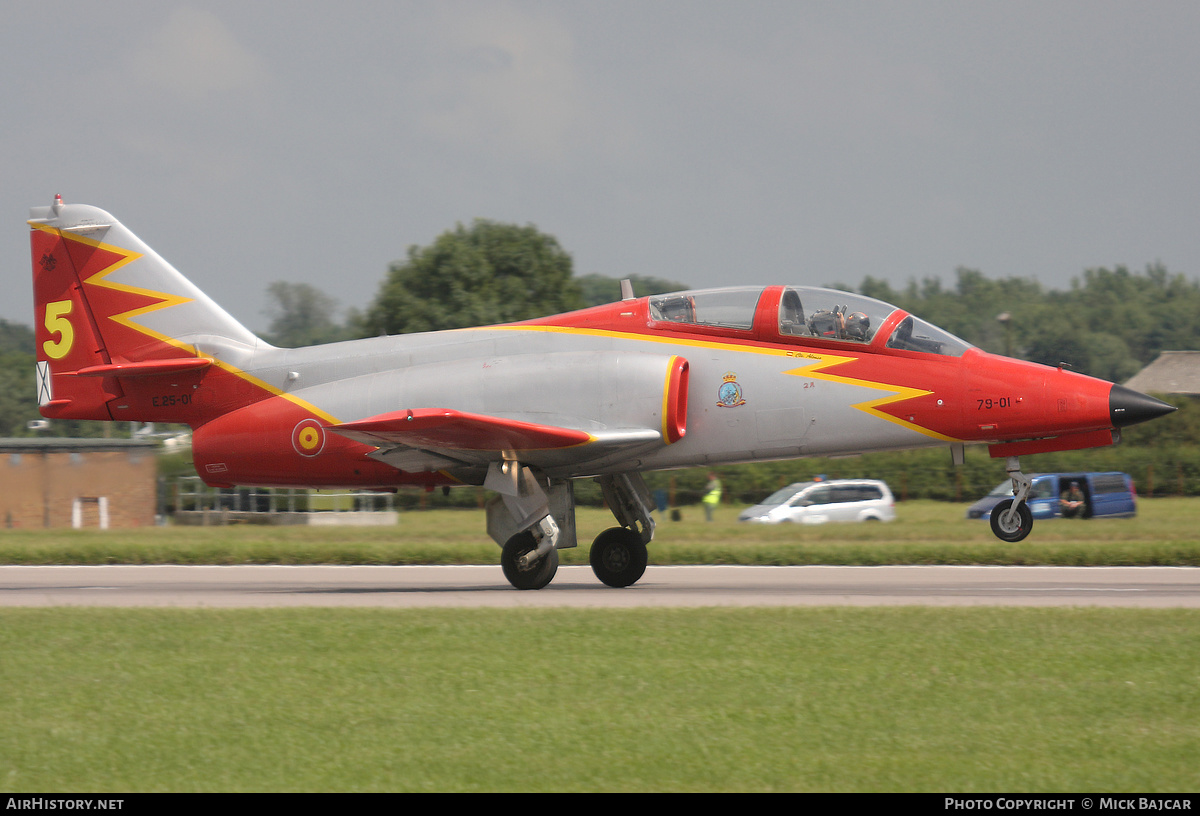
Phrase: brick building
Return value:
(77, 483)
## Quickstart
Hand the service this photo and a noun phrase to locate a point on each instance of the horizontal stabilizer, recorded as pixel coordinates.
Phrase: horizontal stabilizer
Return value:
(146, 368)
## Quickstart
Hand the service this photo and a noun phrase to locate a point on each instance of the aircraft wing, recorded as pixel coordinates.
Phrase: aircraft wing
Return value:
(457, 430)
(435, 438)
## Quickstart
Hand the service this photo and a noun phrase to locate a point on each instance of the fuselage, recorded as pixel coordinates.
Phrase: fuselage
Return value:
(759, 386)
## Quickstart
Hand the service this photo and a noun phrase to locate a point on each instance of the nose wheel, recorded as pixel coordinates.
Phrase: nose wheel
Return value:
(1012, 519)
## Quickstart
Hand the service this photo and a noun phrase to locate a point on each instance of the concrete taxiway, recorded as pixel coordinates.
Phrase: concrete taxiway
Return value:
(576, 586)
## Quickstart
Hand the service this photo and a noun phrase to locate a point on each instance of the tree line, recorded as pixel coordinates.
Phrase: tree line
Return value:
(1109, 323)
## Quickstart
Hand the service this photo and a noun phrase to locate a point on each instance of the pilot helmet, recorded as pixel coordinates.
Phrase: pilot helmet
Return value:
(857, 324)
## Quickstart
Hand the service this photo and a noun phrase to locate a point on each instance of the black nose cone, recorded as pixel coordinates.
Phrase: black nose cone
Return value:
(1129, 407)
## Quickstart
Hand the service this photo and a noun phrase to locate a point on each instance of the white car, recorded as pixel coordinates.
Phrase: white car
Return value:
(819, 502)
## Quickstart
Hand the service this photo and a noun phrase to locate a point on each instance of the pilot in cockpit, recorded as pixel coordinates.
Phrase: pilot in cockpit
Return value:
(837, 325)
(857, 326)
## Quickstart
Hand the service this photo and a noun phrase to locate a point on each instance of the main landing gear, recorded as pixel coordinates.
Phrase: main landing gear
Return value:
(523, 566)
(618, 555)
(1012, 519)
(533, 518)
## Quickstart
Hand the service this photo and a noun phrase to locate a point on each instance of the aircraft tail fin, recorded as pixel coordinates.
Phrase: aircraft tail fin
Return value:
(110, 312)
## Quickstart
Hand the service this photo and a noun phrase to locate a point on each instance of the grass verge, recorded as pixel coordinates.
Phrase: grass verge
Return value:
(926, 533)
(906, 699)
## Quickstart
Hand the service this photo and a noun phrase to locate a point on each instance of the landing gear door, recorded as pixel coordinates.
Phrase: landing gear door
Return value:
(560, 502)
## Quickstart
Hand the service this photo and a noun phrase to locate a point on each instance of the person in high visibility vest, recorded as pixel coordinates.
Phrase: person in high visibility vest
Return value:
(712, 495)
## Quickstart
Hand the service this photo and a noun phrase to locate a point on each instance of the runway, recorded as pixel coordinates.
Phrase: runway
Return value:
(576, 586)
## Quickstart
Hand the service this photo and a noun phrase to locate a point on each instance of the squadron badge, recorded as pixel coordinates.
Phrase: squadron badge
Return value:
(729, 394)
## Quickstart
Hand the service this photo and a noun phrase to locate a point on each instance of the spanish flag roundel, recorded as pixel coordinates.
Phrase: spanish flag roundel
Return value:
(308, 437)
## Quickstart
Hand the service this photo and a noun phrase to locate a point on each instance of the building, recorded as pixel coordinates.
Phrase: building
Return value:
(77, 483)
(1174, 372)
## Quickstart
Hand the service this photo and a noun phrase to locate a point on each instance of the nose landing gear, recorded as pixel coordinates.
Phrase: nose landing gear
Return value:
(1012, 519)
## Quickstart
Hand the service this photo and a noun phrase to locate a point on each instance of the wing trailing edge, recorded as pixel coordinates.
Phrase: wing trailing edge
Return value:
(447, 429)
(429, 439)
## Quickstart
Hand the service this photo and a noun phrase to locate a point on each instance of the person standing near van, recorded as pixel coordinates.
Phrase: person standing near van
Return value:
(1071, 501)
(712, 495)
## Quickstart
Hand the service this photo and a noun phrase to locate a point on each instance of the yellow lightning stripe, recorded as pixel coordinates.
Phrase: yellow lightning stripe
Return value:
(820, 361)
(126, 318)
(165, 302)
(99, 279)
(899, 393)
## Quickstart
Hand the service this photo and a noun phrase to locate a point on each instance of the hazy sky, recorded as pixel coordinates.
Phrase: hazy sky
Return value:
(713, 143)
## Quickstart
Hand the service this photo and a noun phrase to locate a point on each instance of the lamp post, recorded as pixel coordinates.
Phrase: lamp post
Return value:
(1005, 320)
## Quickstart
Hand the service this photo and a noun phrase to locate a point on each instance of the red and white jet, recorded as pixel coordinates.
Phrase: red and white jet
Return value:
(689, 379)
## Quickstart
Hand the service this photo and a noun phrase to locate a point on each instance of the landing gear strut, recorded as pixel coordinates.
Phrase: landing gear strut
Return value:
(618, 555)
(522, 521)
(533, 517)
(1012, 519)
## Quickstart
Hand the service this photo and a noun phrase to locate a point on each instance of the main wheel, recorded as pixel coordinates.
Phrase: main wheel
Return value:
(1015, 528)
(619, 557)
(534, 576)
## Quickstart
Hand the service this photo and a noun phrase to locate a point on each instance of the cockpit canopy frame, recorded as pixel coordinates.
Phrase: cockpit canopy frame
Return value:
(805, 314)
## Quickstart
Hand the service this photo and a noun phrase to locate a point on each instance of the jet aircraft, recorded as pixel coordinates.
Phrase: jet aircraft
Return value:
(689, 379)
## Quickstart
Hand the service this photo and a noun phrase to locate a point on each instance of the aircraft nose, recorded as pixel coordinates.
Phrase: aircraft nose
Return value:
(1129, 407)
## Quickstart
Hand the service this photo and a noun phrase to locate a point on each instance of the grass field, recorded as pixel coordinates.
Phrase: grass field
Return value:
(926, 532)
(909, 699)
(796, 699)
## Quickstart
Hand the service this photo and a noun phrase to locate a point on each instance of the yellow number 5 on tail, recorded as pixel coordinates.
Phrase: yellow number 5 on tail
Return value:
(57, 323)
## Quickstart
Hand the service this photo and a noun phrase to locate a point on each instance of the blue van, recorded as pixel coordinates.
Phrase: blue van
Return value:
(1105, 495)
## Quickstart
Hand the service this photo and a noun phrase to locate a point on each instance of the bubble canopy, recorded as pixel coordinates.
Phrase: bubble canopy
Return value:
(807, 312)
